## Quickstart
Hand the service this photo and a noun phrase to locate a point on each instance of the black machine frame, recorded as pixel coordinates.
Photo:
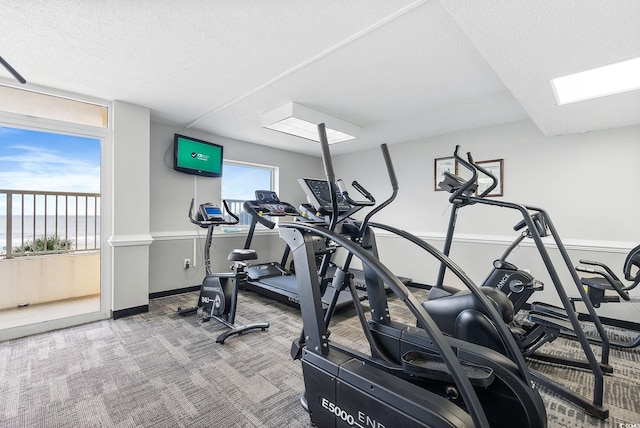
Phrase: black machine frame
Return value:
(538, 222)
(274, 279)
(387, 388)
(218, 297)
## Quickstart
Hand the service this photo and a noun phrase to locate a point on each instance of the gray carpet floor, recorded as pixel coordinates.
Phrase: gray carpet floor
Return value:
(161, 370)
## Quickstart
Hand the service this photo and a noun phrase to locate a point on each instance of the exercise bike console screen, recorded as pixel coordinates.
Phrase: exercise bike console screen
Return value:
(211, 212)
(319, 195)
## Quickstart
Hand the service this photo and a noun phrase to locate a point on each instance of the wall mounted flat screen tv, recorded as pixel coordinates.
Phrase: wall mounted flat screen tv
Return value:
(198, 157)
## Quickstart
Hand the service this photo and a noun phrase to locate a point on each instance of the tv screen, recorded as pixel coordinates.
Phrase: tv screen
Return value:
(198, 157)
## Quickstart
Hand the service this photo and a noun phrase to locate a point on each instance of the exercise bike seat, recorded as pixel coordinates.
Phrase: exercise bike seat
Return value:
(445, 310)
(239, 255)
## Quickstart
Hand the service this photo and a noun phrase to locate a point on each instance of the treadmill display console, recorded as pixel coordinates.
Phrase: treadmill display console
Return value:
(267, 197)
(319, 195)
(268, 203)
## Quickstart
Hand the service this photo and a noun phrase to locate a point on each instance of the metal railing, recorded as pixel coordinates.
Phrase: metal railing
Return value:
(40, 222)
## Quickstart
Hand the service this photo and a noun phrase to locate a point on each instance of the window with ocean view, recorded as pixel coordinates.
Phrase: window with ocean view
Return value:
(49, 193)
(50, 205)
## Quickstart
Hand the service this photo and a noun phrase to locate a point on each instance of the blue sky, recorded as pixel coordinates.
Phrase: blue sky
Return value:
(241, 182)
(34, 160)
(43, 161)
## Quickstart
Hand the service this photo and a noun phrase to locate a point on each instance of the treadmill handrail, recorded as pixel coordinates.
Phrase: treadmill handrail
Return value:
(257, 216)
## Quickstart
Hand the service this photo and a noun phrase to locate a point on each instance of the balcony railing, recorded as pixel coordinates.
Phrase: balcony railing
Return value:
(39, 222)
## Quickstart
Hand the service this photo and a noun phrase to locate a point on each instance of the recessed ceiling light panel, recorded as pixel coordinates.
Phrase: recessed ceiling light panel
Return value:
(598, 82)
(300, 121)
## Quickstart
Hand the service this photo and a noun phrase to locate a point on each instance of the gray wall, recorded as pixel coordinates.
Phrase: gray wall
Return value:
(171, 193)
(584, 181)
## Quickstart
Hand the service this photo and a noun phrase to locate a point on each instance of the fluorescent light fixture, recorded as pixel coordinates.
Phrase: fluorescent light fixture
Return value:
(300, 121)
(598, 82)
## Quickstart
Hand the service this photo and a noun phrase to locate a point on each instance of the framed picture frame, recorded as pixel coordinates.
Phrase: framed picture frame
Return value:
(440, 166)
(495, 167)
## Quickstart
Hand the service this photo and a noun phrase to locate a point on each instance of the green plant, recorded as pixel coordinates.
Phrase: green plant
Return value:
(50, 244)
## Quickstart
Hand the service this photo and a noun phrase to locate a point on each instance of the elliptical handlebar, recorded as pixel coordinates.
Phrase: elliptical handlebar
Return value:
(392, 172)
(370, 199)
(486, 172)
(334, 186)
(470, 182)
(538, 221)
(631, 267)
(394, 185)
(330, 174)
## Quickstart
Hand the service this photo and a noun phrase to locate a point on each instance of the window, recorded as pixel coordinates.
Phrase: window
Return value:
(46, 106)
(49, 192)
(241, 180)
(50, 203)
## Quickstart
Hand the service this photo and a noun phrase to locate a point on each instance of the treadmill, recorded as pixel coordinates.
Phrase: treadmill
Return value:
(273, 279)
(318, 209)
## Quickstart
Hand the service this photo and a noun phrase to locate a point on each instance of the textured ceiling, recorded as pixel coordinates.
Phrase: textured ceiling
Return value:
(403, 70)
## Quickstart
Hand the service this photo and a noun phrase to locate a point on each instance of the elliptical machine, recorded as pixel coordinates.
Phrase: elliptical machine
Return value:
(219, 291)
(517, 284)
(411, 376)
(597, 286)
(542, 327)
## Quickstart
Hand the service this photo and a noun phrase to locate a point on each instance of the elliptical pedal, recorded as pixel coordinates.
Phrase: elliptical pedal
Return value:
(431, 366)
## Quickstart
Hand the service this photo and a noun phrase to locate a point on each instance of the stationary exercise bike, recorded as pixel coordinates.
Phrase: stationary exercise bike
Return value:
(219, 291)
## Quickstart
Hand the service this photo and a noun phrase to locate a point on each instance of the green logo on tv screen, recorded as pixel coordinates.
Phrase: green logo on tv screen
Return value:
(198, 156)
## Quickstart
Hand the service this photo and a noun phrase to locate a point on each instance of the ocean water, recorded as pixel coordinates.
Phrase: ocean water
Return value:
(81, 239)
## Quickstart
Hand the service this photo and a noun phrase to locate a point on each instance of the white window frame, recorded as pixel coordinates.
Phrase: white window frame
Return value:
(274, 170)
(17, 120)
